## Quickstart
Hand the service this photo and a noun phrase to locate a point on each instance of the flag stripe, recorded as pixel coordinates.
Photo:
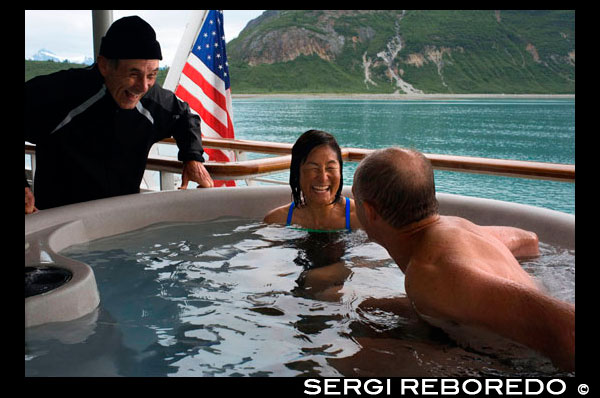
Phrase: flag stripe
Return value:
(207, 131)
(230, 132)
(217, 155)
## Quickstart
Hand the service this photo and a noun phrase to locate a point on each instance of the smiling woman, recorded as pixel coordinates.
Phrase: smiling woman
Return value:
(316, 182)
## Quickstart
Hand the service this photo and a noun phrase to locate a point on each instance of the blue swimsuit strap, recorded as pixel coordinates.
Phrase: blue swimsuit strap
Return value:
(348, 214)
(291, 212)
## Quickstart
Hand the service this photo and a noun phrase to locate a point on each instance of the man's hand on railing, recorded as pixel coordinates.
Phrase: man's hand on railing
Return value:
(195, 171)
(29, 202)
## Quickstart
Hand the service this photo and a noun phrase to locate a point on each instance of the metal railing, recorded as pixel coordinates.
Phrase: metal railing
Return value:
(254, 170)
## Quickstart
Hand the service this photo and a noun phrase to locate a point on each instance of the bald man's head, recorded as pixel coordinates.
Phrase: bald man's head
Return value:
(398, 183)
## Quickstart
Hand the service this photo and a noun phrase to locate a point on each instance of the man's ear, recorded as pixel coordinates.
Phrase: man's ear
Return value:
(370, 212)
(102, 65)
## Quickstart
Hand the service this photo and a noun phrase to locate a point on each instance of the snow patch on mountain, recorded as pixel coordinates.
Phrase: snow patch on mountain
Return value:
(47, 55)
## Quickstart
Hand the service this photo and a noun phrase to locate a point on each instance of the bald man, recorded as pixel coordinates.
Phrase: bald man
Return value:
(458, 273)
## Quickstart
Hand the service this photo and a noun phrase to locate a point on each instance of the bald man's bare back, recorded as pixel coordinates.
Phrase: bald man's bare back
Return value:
(465, 273)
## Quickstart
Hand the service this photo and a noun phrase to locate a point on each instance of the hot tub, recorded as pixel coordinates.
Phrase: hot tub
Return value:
(50, 231)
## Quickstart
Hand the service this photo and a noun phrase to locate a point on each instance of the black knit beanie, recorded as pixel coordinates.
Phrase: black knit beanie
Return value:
(130, 38)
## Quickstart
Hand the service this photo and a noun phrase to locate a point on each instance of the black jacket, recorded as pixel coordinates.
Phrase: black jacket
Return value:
(89, 148)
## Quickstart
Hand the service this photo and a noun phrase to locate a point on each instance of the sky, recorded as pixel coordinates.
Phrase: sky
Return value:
(68, 33)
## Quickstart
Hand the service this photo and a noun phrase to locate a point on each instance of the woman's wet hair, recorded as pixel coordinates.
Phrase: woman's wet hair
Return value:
(306, 143)
(399, 184)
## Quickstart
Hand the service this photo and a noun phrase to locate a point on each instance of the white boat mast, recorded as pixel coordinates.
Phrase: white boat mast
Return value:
(190, 34)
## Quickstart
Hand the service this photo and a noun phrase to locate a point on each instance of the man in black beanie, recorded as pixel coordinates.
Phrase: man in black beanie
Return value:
(94, 127)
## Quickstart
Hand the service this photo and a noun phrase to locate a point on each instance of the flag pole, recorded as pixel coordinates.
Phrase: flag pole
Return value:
(190, 34)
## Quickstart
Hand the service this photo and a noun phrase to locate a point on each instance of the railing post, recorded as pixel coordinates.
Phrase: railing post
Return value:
(167, 181)
(33, 165)
(242, 156)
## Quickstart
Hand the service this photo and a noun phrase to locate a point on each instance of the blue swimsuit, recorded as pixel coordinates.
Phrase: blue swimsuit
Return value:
(291, 212)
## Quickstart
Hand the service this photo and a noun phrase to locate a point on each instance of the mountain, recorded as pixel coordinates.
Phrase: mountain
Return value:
(414, 51)
(37, 68)
(47, 55)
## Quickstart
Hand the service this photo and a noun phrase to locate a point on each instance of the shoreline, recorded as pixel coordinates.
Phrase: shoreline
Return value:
(402, 96)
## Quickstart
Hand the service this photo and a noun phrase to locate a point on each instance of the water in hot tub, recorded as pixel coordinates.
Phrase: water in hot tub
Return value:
(235, 297)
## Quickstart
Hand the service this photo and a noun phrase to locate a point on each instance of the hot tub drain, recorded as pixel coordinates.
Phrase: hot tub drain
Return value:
(44, 278)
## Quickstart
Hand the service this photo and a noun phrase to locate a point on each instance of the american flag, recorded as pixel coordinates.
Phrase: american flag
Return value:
(204, 84)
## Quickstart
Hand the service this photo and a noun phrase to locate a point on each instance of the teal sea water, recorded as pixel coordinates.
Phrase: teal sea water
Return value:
(522, 129)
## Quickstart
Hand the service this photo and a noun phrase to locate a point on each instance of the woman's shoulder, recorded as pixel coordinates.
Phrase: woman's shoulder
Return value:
(278, 215)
